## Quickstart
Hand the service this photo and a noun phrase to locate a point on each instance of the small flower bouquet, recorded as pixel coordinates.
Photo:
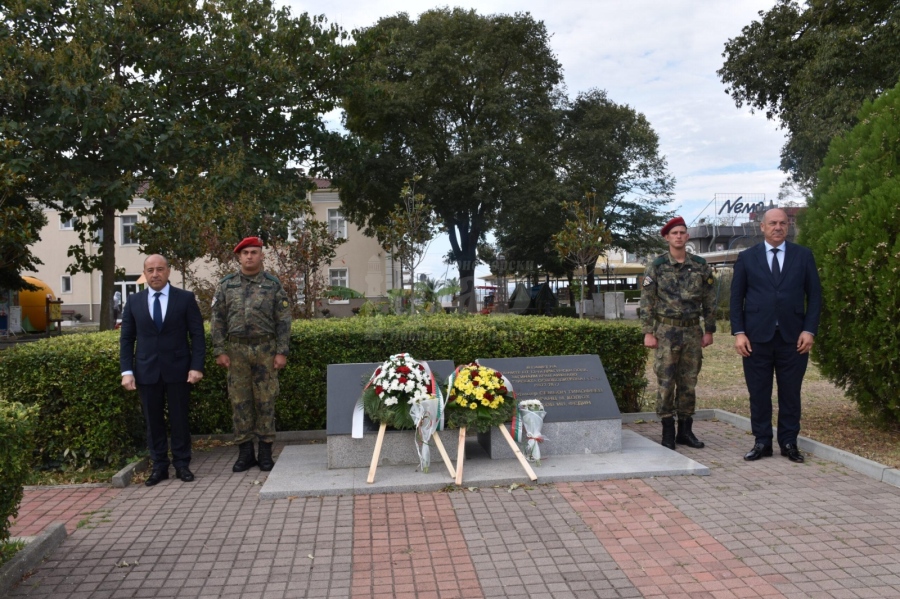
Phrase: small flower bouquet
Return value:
(479, 398)
(427, 415)
(526, 428)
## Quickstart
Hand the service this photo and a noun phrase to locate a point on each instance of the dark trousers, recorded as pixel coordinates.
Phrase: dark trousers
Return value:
(153, 400)
(780, 357)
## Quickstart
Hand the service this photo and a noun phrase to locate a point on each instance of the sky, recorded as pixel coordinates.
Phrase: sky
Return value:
(660, 58)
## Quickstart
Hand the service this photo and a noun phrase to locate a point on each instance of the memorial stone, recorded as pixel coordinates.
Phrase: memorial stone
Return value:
(582, 414)
(345, 386)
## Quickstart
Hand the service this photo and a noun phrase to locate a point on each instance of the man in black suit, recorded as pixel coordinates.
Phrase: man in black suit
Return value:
(775, 303)
(164, 366)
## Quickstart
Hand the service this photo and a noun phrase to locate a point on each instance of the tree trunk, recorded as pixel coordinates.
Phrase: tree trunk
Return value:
(464, 251)
(591, 274)
(108, 268)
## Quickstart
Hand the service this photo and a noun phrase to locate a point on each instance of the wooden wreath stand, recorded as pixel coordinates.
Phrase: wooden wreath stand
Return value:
(380, 441)
(461, 454)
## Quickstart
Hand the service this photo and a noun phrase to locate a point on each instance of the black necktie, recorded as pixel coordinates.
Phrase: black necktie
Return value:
(776, 268)
(157, 311)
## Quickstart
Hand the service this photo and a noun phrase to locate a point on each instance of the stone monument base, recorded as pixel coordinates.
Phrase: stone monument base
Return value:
(398, 449)
(563, 438)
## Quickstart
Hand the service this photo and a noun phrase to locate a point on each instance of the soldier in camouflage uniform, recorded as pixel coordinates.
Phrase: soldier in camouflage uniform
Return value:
(678, 290)
(251, 325)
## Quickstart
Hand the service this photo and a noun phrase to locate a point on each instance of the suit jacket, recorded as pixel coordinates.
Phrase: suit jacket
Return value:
(759, 300)
(162, 355)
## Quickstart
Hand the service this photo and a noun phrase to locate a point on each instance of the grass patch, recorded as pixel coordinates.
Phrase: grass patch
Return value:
(828, 415)
(8, 549)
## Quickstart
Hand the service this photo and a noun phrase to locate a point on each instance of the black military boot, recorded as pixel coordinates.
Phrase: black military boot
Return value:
(265, 456)
(246, 459)
(668, 436)
(686, 435)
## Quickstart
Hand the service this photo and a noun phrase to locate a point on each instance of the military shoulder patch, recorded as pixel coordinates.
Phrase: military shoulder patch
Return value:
(213, 302)
(648, 281)
(284, 303)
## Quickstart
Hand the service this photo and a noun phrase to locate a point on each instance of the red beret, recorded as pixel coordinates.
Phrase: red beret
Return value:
(675, 222)
(248, 242)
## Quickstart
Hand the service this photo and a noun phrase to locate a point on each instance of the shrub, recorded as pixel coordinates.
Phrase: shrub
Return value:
(16, 425)
(852, 226)
(84, 409)
(84, 414)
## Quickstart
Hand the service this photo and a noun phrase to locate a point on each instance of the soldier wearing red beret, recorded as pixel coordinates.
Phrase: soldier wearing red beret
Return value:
(251, 326)
(678, 292)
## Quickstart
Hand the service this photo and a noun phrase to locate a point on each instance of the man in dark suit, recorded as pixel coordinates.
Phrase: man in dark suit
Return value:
(164, 365)
(775, 303)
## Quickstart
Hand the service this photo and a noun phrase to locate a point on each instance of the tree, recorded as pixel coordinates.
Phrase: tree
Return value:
(852, 225)
(458, 98)
(584, 237)
(20, 227)
(810, 68)
(103, 96)
(206, 215)
(408, 231)
(609, 153)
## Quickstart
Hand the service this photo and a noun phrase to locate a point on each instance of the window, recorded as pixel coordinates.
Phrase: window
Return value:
(337, 277)
(128, 223)
(66, 225)
(65, 284)
(336, 224)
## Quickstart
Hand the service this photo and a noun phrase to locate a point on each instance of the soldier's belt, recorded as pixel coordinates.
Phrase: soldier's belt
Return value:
(674, 322)
(250, 339)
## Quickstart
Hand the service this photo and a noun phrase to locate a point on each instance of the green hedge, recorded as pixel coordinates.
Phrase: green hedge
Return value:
(84, 409)
(16, 425)
(75, 381)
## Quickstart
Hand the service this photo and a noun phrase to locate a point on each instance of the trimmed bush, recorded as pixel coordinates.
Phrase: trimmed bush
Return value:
(16, 425)
(74, 380)
(84, 408)
(852, 226)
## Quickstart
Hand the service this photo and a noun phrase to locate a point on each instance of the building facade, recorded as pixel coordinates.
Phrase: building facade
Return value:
(360, 263)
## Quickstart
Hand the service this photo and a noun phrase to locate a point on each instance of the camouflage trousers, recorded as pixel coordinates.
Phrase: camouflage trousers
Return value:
(679, 357)
(252, 388)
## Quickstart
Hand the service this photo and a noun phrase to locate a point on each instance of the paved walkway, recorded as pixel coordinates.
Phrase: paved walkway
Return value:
(763, 529)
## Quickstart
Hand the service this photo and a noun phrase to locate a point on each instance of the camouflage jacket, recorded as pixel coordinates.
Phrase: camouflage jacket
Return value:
(682, 291)
(250, 306)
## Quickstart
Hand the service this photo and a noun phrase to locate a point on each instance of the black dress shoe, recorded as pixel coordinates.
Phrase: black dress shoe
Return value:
(791, 452)
(184, 474)
(759, 451)
(157, 475)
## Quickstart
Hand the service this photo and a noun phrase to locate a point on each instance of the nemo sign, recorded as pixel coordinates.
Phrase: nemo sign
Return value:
(736, 206)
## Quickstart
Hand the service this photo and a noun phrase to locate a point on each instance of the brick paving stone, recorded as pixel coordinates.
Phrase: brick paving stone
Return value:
(766, 529)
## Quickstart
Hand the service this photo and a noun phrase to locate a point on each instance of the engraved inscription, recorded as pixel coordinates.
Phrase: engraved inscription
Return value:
(543, 382)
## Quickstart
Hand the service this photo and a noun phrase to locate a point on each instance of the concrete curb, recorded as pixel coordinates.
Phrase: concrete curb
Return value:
(31, 556)
(879, 472)
(122, 478)
(286, 436)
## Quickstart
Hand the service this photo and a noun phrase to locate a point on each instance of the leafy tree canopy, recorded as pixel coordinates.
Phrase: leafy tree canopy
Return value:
(604, 151)
(20, 226)
(102, 96)
(458, 98)
(811, 67)
(852, 224)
